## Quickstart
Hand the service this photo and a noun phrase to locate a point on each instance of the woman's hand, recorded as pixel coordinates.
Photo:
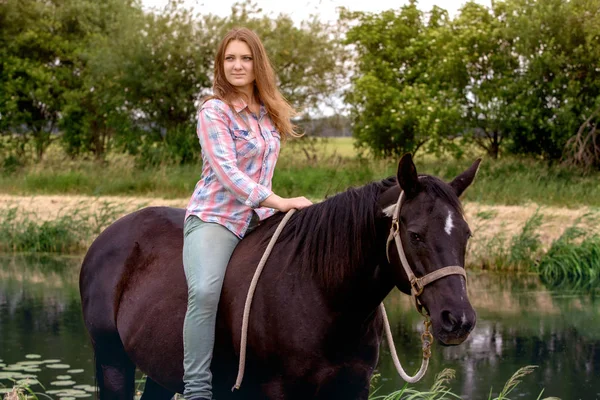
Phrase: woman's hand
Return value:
(285, 204)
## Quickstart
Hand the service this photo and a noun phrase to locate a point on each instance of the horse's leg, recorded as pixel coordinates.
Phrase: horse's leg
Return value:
(154, 391)
(115, 372)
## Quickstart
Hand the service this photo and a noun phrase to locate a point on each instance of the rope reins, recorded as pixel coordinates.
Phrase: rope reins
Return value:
(417, 286)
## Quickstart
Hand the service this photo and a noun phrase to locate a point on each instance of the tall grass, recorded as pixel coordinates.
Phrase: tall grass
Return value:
(440, 390)
(72, 232)
(573, 261)
(315, 168)
(519, 253)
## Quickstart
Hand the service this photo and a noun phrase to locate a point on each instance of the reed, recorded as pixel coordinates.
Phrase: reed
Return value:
(519, 253)
(440, 389)
(573, 261)
(69, 233)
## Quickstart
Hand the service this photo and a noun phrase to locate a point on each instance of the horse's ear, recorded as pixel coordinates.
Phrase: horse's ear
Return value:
(464, 180)
(407, 176)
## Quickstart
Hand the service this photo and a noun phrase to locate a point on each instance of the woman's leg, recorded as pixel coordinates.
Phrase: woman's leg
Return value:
(207, 248)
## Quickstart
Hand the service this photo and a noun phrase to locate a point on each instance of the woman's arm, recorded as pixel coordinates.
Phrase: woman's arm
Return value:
(286, 204)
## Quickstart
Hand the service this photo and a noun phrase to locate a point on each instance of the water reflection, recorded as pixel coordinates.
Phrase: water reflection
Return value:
(520, 323)
(40, 314)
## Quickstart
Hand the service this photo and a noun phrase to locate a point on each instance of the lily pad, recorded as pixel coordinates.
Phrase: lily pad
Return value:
(62, 383)
(63, 377)
(58, 366)
(53, 361)
(32, 356)
(63, 393)
(29, 363)
(32, 369)
(75, 371)
(15, 367)
(87, 388)
(11, 375)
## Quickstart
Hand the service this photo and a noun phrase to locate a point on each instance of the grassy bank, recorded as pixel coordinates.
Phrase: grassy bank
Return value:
(569, 258)
(314, 168)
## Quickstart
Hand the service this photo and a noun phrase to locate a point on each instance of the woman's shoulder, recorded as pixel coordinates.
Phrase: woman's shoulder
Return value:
(216, 105)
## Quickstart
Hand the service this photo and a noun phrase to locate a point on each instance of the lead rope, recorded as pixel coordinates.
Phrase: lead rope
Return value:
(426, 337)
(253, 283)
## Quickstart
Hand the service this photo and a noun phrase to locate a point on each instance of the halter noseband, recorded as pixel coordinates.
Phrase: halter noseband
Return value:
(416, 284)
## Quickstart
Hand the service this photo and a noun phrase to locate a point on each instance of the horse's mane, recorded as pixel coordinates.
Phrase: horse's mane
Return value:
(328, 239)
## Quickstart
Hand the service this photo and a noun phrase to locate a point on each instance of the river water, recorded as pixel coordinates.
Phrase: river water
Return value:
(520, 322)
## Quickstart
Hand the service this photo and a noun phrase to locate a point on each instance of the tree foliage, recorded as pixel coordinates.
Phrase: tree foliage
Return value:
(102, 75)
(521, 76)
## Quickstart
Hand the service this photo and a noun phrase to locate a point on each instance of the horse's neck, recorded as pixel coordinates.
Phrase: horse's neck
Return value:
(361, 294)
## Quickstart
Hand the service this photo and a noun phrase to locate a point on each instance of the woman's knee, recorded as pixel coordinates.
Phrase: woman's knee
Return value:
(204, 294)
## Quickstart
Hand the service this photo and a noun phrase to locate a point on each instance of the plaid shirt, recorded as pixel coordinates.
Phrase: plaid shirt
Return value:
(238, 165)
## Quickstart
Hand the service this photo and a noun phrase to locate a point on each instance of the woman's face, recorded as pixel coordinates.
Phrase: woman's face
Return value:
(239, 65)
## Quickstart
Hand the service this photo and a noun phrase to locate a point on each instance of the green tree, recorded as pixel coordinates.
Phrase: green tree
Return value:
(399, 99)
(483, 70)
(34, 67)
(95, 108)
(558, 43)
(164, 69)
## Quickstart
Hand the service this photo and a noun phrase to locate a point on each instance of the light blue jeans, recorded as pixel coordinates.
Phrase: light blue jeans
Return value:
(207, 248)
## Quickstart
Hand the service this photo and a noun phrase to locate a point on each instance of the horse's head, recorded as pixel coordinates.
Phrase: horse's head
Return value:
(433, 237)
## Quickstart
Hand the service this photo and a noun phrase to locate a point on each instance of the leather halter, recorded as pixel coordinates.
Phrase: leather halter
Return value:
(416, 284)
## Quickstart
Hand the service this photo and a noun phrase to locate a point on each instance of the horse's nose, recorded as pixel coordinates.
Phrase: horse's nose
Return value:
(452, 323)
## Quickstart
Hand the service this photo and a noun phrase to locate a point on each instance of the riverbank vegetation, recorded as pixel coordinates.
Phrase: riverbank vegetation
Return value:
(27, 387)
(440, 389)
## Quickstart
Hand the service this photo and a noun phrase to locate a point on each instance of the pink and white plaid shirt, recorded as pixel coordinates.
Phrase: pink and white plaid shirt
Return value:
(239, 153)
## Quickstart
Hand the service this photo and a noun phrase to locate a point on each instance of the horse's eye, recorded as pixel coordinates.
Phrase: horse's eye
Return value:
(415, 237)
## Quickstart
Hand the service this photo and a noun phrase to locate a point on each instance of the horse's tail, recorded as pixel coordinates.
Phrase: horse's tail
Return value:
(98, 377)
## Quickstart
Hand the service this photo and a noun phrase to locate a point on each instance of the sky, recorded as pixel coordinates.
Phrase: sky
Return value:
(301, 10)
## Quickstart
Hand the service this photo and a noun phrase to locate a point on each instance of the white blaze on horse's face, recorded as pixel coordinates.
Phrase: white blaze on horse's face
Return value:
(449, 225)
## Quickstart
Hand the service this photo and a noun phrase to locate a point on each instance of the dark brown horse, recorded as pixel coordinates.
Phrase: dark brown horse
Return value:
(315, 327)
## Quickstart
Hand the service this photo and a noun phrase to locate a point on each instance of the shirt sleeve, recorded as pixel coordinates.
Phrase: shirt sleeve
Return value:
(219, 149)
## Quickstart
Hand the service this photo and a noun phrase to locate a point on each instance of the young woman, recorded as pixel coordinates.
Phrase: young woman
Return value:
(240, 128)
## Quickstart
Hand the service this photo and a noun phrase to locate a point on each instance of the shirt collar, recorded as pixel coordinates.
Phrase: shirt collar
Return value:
(240, 104)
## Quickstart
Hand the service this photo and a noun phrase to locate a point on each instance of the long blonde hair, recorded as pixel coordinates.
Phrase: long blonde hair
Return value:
(265, 89)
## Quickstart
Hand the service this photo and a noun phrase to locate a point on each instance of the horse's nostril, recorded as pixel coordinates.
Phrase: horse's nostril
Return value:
(449, 321)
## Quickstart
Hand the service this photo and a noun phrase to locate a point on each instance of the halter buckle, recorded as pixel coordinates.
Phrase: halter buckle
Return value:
(416, 287)
(395, 226)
